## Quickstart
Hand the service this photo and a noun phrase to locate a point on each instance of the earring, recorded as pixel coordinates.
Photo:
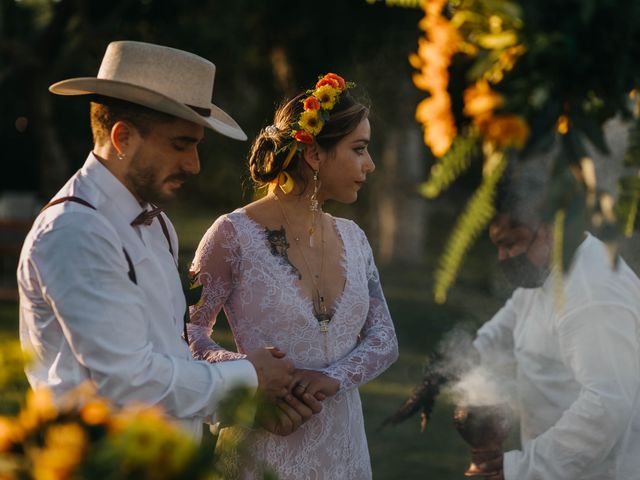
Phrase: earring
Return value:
(121, 156)
(314, 206)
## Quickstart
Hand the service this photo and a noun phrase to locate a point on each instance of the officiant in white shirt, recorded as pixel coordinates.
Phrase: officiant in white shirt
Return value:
(100, 294)
(575, 346)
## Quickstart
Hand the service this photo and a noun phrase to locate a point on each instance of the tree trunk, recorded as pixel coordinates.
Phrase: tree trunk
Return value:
(402, 212)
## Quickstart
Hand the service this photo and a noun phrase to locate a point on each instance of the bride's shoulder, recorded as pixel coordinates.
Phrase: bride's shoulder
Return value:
(348, 225)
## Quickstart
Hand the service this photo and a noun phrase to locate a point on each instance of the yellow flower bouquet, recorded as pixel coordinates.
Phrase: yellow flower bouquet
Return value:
(88, 438)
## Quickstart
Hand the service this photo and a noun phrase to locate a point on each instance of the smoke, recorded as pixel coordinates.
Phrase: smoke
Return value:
(472, 380)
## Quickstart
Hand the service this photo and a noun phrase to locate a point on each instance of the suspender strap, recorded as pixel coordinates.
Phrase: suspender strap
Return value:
(165, 230)
(67, 199)
(132, 271)
(186, 319)
(57, 201)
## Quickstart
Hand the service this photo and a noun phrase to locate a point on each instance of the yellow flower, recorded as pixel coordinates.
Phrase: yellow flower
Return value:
(9, 433)
(498, 41)
(505, 131)
(64, 448)
(40, 408)
(480, 100)
(310, 120)
(327, 96)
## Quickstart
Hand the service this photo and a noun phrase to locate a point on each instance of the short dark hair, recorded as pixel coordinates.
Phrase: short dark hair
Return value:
(522, 196)
(106, 111)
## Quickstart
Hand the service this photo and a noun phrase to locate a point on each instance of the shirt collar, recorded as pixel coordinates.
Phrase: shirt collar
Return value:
(117, 196)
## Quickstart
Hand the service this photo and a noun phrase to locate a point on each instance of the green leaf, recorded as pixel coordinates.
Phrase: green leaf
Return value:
(448, 168)
(477, 214)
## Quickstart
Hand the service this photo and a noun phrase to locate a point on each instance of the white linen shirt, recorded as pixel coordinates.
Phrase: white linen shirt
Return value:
(578, 371)
(84, 319)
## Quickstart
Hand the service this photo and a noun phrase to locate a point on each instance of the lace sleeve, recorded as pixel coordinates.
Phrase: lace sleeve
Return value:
(378, 346)
(214, 266)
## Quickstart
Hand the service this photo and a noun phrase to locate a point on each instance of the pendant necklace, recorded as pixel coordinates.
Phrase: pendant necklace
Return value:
(319, 307)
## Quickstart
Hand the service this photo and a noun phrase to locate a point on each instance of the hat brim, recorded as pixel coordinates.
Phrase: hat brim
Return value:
(218, 119)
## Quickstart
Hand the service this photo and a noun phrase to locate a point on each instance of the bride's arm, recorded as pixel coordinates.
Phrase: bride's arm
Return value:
(378, 346)
(214, 265)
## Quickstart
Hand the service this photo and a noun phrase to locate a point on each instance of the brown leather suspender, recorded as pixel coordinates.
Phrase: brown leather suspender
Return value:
(132, 272)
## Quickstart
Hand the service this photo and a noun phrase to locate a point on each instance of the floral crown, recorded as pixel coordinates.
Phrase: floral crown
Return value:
(316, 107)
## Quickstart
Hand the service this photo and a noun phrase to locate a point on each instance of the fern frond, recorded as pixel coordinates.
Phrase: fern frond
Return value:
(453, 164)
(626, 207)
(477, 214)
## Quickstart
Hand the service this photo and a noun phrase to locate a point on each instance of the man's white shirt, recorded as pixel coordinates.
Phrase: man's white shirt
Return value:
(576, 351)
(84, 319)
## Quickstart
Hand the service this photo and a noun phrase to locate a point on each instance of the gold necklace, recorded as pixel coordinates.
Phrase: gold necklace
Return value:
(319, 307)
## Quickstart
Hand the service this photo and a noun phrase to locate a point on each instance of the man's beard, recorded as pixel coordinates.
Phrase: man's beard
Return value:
(146, 184)
(522, 273)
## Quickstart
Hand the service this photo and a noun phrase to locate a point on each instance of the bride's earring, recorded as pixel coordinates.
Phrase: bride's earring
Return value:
(314, 205)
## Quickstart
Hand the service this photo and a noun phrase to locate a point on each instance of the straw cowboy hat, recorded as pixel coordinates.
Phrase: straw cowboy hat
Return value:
(161, 78)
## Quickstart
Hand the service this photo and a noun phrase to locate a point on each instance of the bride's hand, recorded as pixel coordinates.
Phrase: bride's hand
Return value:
(310, 384)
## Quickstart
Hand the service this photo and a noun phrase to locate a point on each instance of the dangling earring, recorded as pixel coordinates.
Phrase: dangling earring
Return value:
(314, 205)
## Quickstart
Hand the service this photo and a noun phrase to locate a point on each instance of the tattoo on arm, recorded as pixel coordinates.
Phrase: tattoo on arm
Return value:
(278, 242)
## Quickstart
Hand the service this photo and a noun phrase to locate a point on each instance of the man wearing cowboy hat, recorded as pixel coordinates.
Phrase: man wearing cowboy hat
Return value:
(100, 295)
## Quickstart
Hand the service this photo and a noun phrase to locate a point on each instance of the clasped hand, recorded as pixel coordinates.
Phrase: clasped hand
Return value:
(305, 393)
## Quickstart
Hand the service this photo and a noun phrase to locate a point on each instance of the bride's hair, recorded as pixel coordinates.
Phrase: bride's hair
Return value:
(272, 145)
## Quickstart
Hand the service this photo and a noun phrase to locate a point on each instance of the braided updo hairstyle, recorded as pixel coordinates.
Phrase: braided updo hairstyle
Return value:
(270, 148)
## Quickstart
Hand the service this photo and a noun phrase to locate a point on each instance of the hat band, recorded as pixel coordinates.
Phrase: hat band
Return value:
(204, 112)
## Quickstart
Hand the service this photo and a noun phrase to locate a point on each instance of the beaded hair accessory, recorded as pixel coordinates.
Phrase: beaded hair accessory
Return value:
(316, 107)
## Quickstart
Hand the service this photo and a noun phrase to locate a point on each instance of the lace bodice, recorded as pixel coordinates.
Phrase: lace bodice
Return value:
(265, 307)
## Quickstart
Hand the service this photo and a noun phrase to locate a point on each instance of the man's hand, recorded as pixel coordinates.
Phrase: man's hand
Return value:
(285, 416)
(310, 386)
(274, 372)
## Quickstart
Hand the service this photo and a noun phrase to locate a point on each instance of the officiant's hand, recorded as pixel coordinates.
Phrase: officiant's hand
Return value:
(274, 372)
(490, 464)
(309, 385)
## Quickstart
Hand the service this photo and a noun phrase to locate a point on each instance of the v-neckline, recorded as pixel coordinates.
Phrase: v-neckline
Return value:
(337, 303)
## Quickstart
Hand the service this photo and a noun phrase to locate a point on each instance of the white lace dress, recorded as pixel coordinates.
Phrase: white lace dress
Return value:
(263, 303)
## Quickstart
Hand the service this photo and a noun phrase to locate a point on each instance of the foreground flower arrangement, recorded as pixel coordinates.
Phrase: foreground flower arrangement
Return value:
(506, 81)
(88, 438)
(84, 436)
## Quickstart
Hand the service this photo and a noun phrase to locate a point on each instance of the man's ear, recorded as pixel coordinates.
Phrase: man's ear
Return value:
(311, 155)
(124, 137)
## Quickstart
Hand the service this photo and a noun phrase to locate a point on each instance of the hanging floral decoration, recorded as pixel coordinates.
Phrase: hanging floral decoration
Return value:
(507, 80)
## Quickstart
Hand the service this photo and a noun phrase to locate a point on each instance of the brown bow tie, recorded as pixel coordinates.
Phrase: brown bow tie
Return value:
(146, 217)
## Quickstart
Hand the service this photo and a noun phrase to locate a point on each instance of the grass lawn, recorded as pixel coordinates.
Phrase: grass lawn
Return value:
(402, 451)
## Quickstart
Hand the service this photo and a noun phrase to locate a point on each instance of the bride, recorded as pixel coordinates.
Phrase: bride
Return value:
(290, 275)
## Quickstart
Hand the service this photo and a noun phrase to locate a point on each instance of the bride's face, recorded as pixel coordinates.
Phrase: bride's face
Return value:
(344, 170)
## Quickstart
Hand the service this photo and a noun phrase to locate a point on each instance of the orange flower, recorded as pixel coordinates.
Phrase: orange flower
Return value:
(95, 411)
(438, 123)
(303, 137)
(562, 125)
(332, 82)
(334, 76)
(311, 103)
(480, 100)
(505, 131)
